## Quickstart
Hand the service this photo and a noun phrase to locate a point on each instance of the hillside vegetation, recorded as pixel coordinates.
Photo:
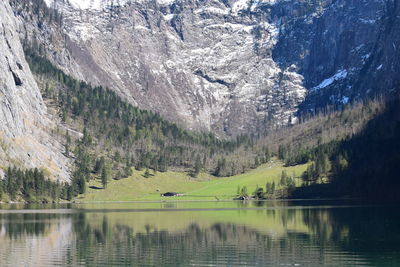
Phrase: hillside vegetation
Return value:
(123, 153)
(364, 165)
(109, 138)
(205, 187)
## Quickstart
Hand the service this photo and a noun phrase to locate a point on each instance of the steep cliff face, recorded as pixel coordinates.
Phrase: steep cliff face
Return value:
(229, 66)
(333, 43)
(24, 123)
(381, 72)
(205, 64)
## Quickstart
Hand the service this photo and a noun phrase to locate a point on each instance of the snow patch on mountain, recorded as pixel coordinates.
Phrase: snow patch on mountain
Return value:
(340, 75)
(212, 10)
(345, 100)
(240, 5)
(165, 2)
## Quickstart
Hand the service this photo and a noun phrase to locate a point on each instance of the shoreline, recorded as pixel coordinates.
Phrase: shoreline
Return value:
(179, 201)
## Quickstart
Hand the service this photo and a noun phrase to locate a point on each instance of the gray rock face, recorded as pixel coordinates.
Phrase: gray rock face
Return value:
(205, 64)
(24, 123)
(381, 72)
(332, 43)
(229, 66)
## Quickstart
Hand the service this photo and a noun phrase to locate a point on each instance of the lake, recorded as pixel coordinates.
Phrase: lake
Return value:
(269, 233)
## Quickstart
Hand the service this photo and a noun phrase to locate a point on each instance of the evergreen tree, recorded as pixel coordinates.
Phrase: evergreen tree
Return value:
(268, 188)
(11, 182)
(267, 154)
(282, 152)
(67, 144)
(99, 165)
(259, 193)
(70, 193)
(104, 177)
(78, 183)
(221, 168)
(87, 138)
(128, 170)
(197, 167)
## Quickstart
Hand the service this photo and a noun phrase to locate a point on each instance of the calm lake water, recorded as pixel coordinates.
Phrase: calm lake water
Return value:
(300, 233)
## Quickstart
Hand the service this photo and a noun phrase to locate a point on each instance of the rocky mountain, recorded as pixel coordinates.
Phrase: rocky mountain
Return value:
(229, 66)
(381, 72)
(226, 66)
(25, 125)
(205, 64)
(334, 45)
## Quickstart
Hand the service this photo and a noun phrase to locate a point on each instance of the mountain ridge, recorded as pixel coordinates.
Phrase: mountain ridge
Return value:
(230, 67)
(173, 44)
(226, 67)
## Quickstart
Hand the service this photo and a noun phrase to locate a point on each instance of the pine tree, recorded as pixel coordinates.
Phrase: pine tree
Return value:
(268, 188)
(128, 170)
(11, 181)
(259, 193)
(197, 167)
(67, 144)
(104, 176)
(267, 155)
(282, 152)
(70, 193)
(221, 167)
(87, 139)
(82, 184)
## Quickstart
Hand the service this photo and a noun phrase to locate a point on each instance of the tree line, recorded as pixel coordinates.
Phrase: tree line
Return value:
(32, 185)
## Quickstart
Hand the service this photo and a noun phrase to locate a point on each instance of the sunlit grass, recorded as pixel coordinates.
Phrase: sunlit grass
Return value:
(206, 187)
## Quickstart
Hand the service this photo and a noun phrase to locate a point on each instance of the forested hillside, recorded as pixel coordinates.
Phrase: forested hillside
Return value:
(373, 158)
(364, 165)
(345, 128)
(107, 137)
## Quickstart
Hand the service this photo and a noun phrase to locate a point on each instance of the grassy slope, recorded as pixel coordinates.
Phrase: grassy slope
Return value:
(205, 187)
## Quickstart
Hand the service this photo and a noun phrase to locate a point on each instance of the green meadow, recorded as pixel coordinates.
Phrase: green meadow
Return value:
(205, 187)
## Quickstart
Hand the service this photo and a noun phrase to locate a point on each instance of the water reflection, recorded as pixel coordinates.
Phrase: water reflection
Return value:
(278, 234)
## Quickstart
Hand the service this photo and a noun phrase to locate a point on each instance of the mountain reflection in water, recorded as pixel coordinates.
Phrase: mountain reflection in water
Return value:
(168, 234)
